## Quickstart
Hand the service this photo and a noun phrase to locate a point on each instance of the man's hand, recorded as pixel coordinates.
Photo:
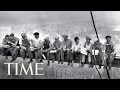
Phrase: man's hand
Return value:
(23, 47)
(88, 51)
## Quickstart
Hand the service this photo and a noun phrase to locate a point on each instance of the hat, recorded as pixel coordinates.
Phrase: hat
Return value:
(64, 35)
(36, 33)
(23, 34)
(57, 37)
(108, 36)
(87, 37)
(46, 38)
(12, 34)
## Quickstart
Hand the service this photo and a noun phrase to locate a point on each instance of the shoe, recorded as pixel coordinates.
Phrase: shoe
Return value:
(61, 62)
(72, 64)
(82, 65)
(52, 61)
(68, 63)
(89, 65)
(48, 63)
(41, 61)
(109, 68)
(58, 62)
(99, 67)
(104, 67)
(12, 60)
(6, 57)
(30, 61)
(92, 66)
(24, 59)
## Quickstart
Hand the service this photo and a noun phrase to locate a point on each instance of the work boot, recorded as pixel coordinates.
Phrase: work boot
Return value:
(12, 60)
(52, 61)
(59, 62)
(82, 64)
(62, 62)
(109, 66)
(89, 65)
(99, 67)
(48, 63)
(68, 62)
(72, 63)
(41, 61)
(6, 57)
(24, 59)
(104, 67)
(30, 61)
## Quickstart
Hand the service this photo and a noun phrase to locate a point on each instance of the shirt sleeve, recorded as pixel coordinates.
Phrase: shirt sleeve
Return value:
(20, 42)
(16, 40)
(73, 47)
(104, 47)
(113, 46)
(70, 44)
(4, 41)
(53, 46)
(40, 43)
(32, 43)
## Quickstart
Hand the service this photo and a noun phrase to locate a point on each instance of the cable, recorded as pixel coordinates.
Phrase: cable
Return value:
(95, 65)
(100, 48)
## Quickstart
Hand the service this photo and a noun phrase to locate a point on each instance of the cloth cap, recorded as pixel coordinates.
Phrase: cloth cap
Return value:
(64, 35)
(56, 37)
(87, 37)
(23, 34)
(108, 36)
(12, 34)
(36, 33)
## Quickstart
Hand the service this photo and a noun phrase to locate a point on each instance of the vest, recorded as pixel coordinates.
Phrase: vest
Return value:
(87, 46)
(109, 48)
(46, 45)
(57, 44)
(25, 43)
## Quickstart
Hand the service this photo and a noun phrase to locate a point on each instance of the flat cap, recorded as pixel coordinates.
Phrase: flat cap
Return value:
(12, 34)
(64, 35)
(108, 36)
(23, 34)
(46, 38)
(57, 37)
(87, 37)
(36, 33)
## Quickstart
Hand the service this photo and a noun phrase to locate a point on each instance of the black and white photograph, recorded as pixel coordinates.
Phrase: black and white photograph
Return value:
(59, 44)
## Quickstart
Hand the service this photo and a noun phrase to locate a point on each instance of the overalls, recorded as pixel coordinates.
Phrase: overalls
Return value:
(109, 54)
(25, 53)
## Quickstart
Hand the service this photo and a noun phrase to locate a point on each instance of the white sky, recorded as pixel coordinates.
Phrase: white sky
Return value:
(60, 22)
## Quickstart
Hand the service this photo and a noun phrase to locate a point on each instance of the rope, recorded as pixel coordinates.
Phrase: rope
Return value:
(95, 65)
(99, 40)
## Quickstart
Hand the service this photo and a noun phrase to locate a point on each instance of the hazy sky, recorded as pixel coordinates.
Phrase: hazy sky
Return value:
(60, 22)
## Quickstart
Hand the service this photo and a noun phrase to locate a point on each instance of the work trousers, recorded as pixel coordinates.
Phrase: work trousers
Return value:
(109, 59)
(59, 55)
(14, 52)
(37, 53)
(68, 55)
(25, 53)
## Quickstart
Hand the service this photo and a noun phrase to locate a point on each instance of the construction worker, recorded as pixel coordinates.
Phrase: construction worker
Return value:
(6, 46)
(87, 46)
(109, 51)
(76, 48)
(67, 47)
(14, 47)
(57, 45)
(97, 54)
(25, 46)
(36, 48)
(46, 49)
